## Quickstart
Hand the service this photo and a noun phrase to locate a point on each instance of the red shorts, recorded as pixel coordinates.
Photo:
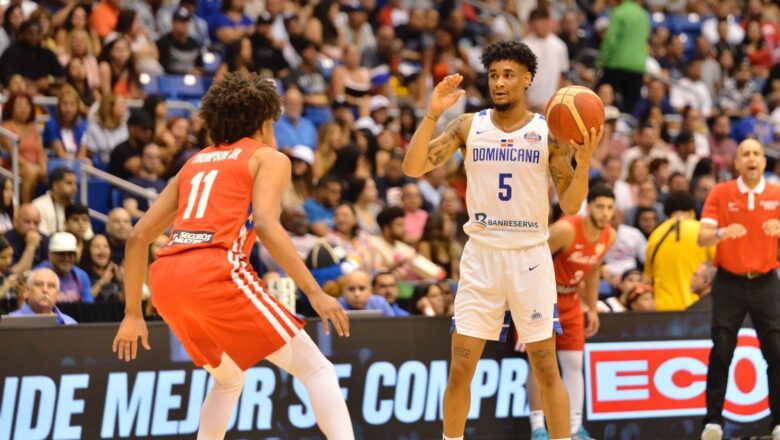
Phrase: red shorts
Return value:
(214, 303)
(573, 323)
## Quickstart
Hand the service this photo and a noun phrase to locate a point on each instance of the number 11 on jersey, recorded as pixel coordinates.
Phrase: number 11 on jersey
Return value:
(204, 195)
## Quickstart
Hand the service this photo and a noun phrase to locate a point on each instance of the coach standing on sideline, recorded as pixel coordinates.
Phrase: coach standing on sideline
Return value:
(743, 218)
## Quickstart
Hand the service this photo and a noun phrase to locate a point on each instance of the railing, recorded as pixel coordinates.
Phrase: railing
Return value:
(14, 173)
(90, 171)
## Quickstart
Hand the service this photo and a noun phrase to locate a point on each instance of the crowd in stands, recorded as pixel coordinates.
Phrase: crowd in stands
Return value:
(682, 82)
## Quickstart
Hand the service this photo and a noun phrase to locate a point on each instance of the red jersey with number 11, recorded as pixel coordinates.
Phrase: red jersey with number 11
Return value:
(572, 264)
(215, 199)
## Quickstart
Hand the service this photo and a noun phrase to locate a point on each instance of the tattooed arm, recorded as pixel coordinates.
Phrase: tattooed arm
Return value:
(571, 184)
(425, 154)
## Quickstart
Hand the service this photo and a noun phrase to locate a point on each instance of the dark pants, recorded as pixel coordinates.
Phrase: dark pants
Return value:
(627, 84)
(732, 298)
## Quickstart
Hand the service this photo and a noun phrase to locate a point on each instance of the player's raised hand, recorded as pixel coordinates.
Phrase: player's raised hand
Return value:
(126, 340)
(445, 94)
(331, 311)
(590, 141)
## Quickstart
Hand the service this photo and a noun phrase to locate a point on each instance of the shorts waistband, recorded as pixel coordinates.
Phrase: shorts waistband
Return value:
(748, 275)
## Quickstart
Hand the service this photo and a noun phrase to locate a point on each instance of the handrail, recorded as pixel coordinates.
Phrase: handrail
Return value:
(132, 188)
(14, 138)
(131, 103)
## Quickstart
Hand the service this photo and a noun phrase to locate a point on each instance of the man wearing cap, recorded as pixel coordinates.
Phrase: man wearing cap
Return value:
(126, 157)
(74, 282)
(197, 28)
(742, 217)
(180, 54)
(43, 286)
(292, 128)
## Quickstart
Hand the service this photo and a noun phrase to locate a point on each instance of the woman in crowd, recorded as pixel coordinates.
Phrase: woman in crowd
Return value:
(156, 107)
(302, 183)
(13, 17)
(76, 20)
(364, 197)
(351, 81)
(347, 234)
(238, 58)
(65, 130)
(118, 70)
(105, 275)
(6, 206)
(638, 172)
(11, 285)
(142, 46)
(43, 17)
(438, 245)
(646, 220)
(106, 128)
(231, 23)
(428, 300)
(19, 115)
(79, 46)
(329, 141)
(180, 149)
(76, 77)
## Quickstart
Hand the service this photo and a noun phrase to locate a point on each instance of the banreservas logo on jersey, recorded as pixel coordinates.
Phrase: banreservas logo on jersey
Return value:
(481, 222)
(191, 237)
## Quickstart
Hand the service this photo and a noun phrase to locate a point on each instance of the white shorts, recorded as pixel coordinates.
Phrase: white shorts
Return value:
(495, 280)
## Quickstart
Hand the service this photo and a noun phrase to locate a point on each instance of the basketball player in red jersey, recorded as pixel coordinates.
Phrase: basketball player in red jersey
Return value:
(203, 285)
(580, 244)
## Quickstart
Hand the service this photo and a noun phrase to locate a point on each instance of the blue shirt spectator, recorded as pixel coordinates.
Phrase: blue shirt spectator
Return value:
(320, 208)
(42, 288)
(62, 318)
(70, 138)
(293, 129)
(198, 27)
(224, 19)
(356, 294)
(374, 302)
(74, 285)
(385, 285)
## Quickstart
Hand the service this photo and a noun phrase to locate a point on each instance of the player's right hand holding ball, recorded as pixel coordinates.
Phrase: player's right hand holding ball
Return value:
(445, 94)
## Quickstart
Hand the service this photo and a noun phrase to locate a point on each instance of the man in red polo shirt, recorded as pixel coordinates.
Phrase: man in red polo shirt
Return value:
(743, 218)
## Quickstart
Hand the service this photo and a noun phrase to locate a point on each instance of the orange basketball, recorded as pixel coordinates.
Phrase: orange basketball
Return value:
(571, 111)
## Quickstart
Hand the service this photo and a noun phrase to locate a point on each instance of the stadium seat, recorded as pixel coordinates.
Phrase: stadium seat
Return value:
(116, 197)
(176, 87)
(99, 195)
(75, 165)
(152, 87)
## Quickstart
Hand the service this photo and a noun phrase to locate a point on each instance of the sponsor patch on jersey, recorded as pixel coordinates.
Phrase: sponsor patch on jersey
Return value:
(191, 237)
(532, 137)
(481, 222)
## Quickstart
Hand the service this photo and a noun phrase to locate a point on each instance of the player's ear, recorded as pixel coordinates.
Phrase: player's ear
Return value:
(528, 78)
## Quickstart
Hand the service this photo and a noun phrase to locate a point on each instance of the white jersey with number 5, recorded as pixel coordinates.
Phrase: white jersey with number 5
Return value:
(507, 174)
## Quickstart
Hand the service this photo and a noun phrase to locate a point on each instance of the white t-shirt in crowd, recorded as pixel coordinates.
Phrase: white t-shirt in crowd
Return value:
(553, 58)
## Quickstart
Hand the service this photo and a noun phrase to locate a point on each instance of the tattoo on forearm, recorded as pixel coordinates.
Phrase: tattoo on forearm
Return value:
(441, 148)
(462, 352)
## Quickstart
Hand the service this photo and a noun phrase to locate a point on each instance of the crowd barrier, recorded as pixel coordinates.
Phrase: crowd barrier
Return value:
(645, 378)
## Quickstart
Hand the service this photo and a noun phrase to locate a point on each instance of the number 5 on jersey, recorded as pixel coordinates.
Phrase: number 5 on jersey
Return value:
(203, 200)
(504, 189)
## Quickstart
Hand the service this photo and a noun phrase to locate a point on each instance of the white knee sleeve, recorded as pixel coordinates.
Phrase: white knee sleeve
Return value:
(221, 399)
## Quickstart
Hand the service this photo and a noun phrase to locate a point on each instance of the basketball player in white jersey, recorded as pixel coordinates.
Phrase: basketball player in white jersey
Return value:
(508, 155)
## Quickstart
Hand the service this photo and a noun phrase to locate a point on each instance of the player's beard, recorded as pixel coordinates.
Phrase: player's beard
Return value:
(595, 223)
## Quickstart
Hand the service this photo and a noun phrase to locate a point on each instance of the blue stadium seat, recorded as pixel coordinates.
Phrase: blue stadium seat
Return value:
(153, 86)
(116, 198)
(174, 87)
(99, 195)
(211, 63)
(53, 164)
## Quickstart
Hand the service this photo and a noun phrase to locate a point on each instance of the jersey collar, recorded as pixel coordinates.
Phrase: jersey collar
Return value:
(744, 189)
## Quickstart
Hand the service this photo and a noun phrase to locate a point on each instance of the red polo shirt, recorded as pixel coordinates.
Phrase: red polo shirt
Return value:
(733, 202)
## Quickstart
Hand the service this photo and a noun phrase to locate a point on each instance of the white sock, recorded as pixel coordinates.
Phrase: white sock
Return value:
(302, 359)
(574, 381)
(537, 420)
(221, 399)
(453, 438)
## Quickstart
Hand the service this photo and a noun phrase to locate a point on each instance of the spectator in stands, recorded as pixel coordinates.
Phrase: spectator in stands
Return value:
(691, 90)
(107, 128)
(758, 52)
(238, 58)
(38, 65)
(390, 185)
(77, 223)
(722, 146)
(649, 146)
(268, 52)
(701, 189)
(105, 276)
(30, 247)
(43, 287)
(118, 229)
(119, 72)
(148, 177)
(180, 149)
(673, 63)
(385, 284)
(432, 186)
(320, 207)
(75, 23)
(701, 284)
(63, 186)
(678, 182)
(356, 294)
(358, 30)
(180, 54)
(347, 234)
(391, 222)
(79, 46)
(74, 282)
(104, 17)
(428, 300)
(6, 205)
(673, 254)
(686, 151)
(641, 299)
(623, 54)
(126, 157)
(76, 77)
(309, 79)
(629, 249)
(438, 244)
(19, 118)
(656, 96)
(737, 90)
(554, 63)
(647, 199)
(197, 28)
(13, 17)
(452, 206)
(330, 140)
(414, 221)
(292, 128)
(231, 24)
(11, 283)
(363, 194)
(293, 220)
(351, 81)
(156, 107)
(64, 132)
(301, 185)
(143, 47)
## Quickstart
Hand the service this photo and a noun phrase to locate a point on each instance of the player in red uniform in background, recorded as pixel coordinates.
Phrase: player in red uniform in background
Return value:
(580, 244)
(202, 284)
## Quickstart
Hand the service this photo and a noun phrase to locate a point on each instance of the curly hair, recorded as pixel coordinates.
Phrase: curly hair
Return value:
(511, 50)
(237, 105)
